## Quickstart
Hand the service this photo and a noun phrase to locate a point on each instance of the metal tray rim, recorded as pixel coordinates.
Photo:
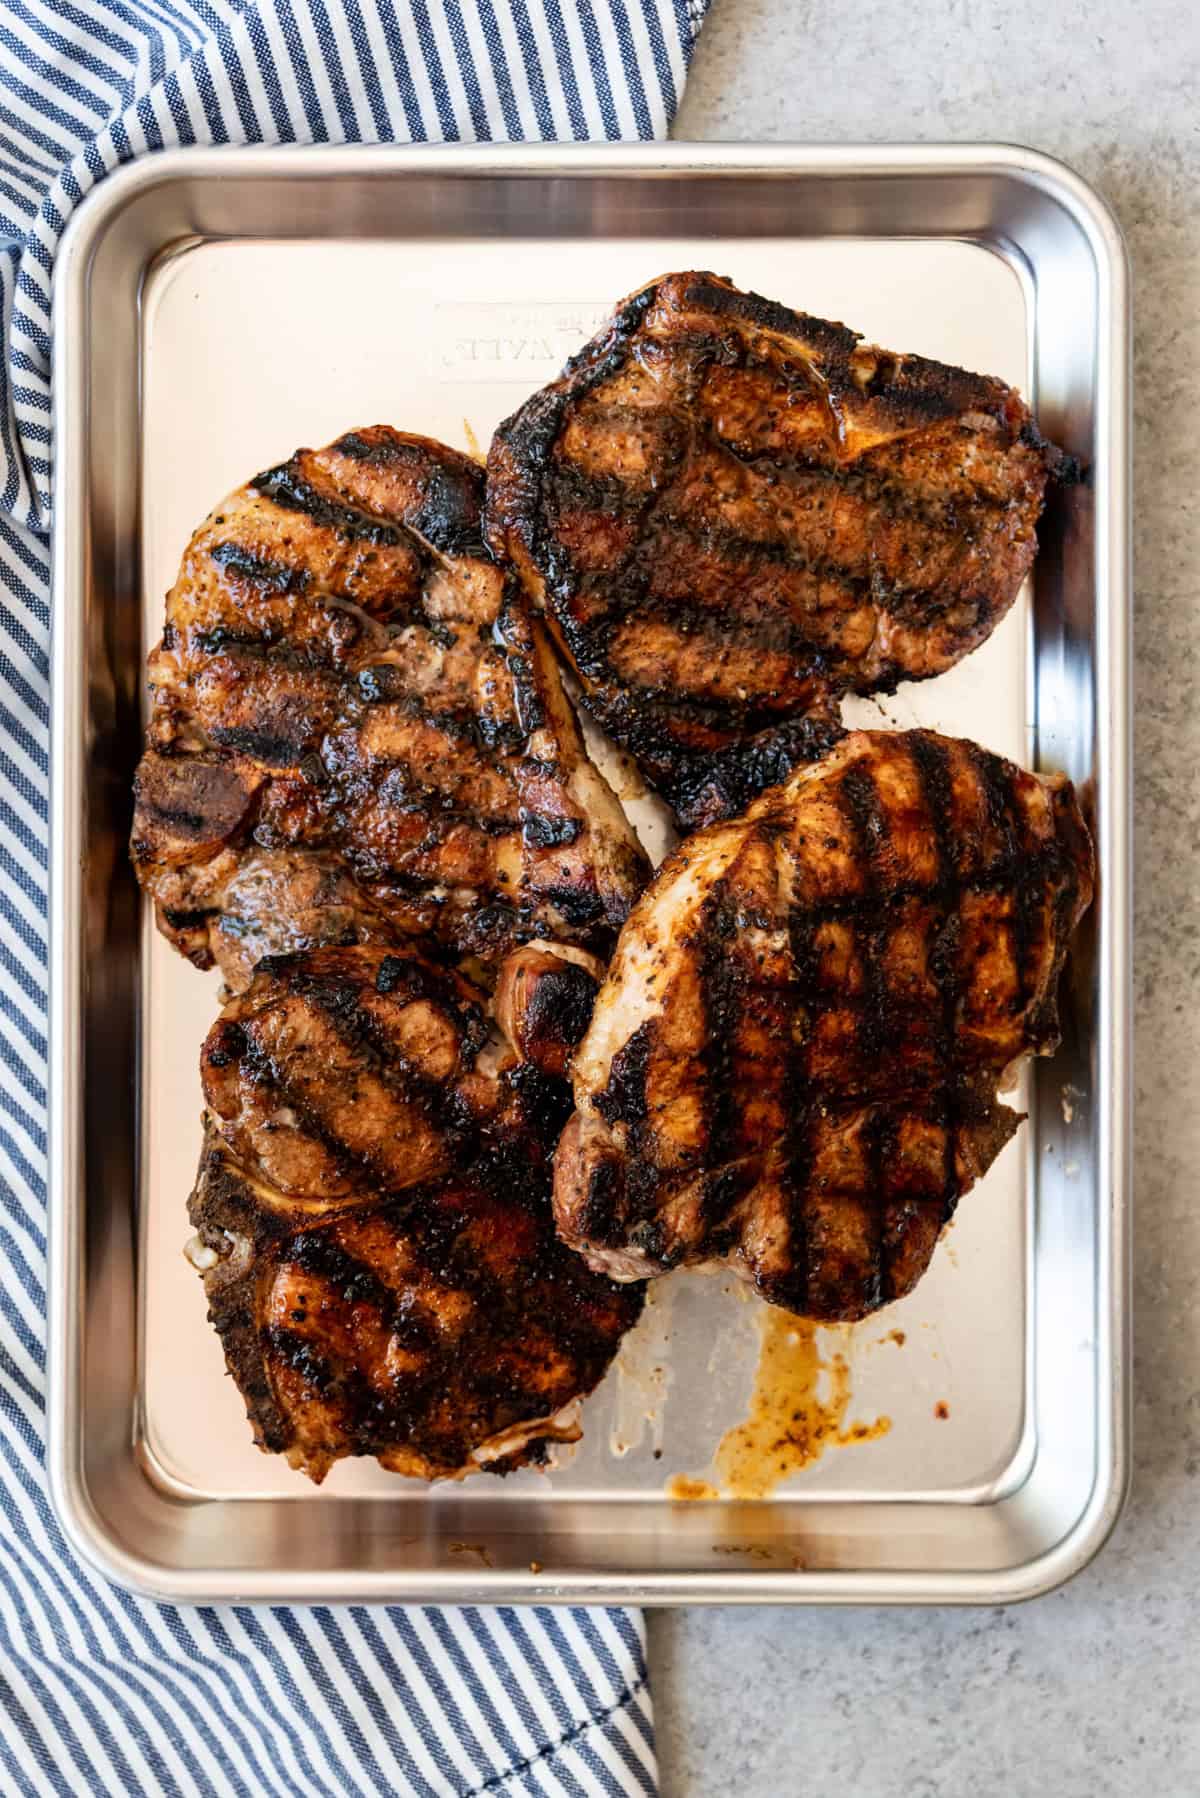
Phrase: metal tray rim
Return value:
(71, 1500)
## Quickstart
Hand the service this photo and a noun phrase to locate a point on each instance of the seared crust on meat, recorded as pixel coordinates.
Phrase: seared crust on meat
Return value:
(373, 1222)
(795, 1059)
(349, 1067)
(346, 674)
(733, 513)
(543, 1002)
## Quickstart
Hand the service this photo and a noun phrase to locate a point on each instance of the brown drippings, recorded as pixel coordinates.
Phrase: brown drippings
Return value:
(535, 1566)
(683, 1486)
(790, 1424)
(472, 1548)
(896, 1336)
(941, 1409)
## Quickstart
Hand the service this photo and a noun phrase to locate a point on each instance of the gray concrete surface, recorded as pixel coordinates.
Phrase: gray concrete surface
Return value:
(1096, 1689)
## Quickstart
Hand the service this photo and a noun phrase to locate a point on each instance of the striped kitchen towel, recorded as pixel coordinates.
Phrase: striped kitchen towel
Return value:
(99, 1692)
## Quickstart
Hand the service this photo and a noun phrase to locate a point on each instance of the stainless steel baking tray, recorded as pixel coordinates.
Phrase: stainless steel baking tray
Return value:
(212, 310)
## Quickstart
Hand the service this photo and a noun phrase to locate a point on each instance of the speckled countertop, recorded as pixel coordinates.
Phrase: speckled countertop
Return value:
(1095, 1689)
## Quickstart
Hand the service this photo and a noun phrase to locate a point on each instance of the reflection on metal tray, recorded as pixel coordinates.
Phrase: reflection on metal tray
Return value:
(214, 310)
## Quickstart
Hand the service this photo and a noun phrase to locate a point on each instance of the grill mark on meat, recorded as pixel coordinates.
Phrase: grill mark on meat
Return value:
(337, 1001)
(274, 652)
(607, 494)
(860, 804)
(260, 571)
(797, 1157)
(1027, 894)
(448, 513)
(532, 429)
(319, 1254)
(766, 553)
(882, 1133)
(286, 487)
(386, 685)
(644, 715)
(875, 1023)
(625, 592)
(719, 1000)
(623, 1100)
(267, 736)
(269, 747)
(932, 767)
(299, 1355)
(265, 1072)
(367, 1417)
(691, 620)
(398, 791)
(882, 1083)
(934, 512)
(916, 495)
(423, 980)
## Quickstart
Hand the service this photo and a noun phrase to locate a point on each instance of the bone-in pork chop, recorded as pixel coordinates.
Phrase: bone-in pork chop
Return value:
(795, 1060)
(733, 513)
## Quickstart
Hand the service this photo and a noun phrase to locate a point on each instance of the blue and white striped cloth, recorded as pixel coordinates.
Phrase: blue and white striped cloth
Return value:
(99, 1692)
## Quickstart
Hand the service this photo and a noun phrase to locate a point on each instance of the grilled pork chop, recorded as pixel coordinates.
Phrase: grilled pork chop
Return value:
(794, 1062)
(734, 513)
(374, 1225)
(359, 732)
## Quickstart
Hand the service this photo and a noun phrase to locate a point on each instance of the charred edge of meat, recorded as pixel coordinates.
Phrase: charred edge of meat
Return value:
(285, 486)
(709, 788)
(933, 388)
(463, 1390)
(232, 1225)
(717, 294)
(1065, 469)
(447, 517)
(705, 786)
(528, 435)
(188, 798)
(560, 1008)
(452, 487)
